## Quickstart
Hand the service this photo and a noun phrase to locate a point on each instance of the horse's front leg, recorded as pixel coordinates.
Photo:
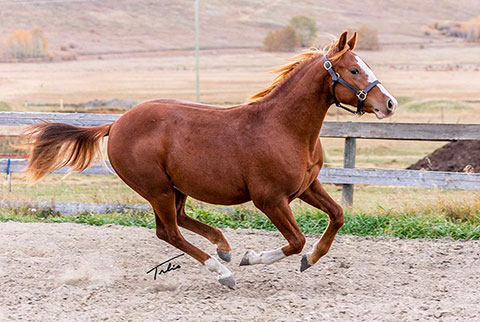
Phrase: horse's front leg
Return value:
(281, 216)
(316, 196)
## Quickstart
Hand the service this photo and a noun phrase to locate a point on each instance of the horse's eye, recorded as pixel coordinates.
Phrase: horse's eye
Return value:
(354, 71)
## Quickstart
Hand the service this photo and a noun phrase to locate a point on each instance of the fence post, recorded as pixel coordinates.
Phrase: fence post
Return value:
(197, 67)
(10, 182)
(348, 162)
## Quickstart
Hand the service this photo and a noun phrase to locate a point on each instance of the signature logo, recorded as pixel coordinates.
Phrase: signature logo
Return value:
(170, 267)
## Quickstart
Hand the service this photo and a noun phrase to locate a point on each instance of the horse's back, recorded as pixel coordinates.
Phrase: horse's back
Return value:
(194, 144)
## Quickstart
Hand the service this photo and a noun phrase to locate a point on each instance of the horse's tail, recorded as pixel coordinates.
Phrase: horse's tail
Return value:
(54, 145)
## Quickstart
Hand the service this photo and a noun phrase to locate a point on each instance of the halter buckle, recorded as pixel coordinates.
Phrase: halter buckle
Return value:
(361, 95)
(327, 65)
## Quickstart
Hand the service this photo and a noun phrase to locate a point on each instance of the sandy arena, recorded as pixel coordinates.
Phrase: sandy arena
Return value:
(71, 272)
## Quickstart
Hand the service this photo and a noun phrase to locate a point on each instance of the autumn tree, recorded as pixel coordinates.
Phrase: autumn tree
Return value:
(284, 39)
(367, 38)
(305, 29)
(23, 44)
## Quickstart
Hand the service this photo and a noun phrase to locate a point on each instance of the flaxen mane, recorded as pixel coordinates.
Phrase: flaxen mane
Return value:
(285, 72)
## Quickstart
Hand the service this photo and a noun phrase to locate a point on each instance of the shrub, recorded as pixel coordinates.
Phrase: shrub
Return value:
(469, 30)
(367, 38)
(305, 28)
(24, 44)
(284, 39)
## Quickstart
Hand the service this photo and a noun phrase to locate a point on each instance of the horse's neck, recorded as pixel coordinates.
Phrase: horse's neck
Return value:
(300, 104)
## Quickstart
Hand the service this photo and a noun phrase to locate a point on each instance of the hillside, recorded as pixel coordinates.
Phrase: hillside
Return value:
(108, 26)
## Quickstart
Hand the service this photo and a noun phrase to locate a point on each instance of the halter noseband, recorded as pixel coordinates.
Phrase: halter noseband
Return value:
(361, 94)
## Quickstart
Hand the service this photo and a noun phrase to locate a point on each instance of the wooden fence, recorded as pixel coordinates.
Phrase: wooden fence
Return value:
(350, 131)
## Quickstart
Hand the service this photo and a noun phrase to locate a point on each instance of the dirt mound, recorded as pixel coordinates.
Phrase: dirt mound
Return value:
(461, 156)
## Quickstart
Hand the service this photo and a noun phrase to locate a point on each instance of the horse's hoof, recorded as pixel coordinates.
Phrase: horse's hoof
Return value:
(228, 281)
(304, 263)
(224, 255)
(245, 261)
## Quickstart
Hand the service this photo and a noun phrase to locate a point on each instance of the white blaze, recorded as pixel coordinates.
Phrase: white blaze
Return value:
(371, 78)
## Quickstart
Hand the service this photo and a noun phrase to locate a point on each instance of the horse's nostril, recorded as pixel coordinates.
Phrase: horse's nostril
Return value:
(390, 105)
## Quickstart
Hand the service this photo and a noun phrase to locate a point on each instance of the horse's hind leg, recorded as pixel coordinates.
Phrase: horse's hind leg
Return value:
(167, 230)
(154, 185)
(214, 235)
(281, 216)
(316, 196)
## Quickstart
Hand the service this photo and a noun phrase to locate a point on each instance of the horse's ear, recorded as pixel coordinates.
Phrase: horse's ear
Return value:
(353, 41)
(342, 41)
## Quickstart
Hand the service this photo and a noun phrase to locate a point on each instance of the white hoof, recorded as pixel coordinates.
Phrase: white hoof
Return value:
(225, 277)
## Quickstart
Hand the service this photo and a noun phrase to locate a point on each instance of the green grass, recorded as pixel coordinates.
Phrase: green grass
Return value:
(4, 106)
(430, 105)
(461, 223)
(403, 100)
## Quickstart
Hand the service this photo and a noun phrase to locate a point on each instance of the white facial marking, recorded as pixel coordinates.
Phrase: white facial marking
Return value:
(265, 257)
(214, 265)
(366, 70)
(384, 91)
(371, 78)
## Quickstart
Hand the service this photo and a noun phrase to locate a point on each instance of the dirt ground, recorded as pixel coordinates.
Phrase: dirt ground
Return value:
(69, 272)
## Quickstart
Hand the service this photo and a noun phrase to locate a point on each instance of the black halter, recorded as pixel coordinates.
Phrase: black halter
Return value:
(361, 94)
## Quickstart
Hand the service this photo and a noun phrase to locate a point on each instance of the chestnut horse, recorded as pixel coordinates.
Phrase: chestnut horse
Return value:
(267, 151)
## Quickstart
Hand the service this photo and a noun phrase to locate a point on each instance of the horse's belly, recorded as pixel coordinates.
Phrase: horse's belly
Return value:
(212, 184)
(219, 194)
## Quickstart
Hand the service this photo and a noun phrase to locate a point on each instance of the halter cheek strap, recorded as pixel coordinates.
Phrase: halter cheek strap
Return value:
(361, 94)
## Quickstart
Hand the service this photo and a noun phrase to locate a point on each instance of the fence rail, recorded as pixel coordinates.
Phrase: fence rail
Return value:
(406, 178)
(361, 130)
(350, 131)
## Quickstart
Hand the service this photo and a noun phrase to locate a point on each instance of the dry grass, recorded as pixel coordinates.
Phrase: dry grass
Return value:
(231, 77)
(424, 77)
(121, 25)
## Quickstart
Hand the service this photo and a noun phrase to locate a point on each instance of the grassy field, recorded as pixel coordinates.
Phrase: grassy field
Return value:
(459, 222)
(436, 80)
(110, 189)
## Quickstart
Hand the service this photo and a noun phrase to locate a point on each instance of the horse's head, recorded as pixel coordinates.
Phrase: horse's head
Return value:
(354, 82)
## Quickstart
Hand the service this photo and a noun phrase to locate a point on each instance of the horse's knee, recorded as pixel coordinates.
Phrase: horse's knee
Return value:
(297, 244)
(337, 217)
